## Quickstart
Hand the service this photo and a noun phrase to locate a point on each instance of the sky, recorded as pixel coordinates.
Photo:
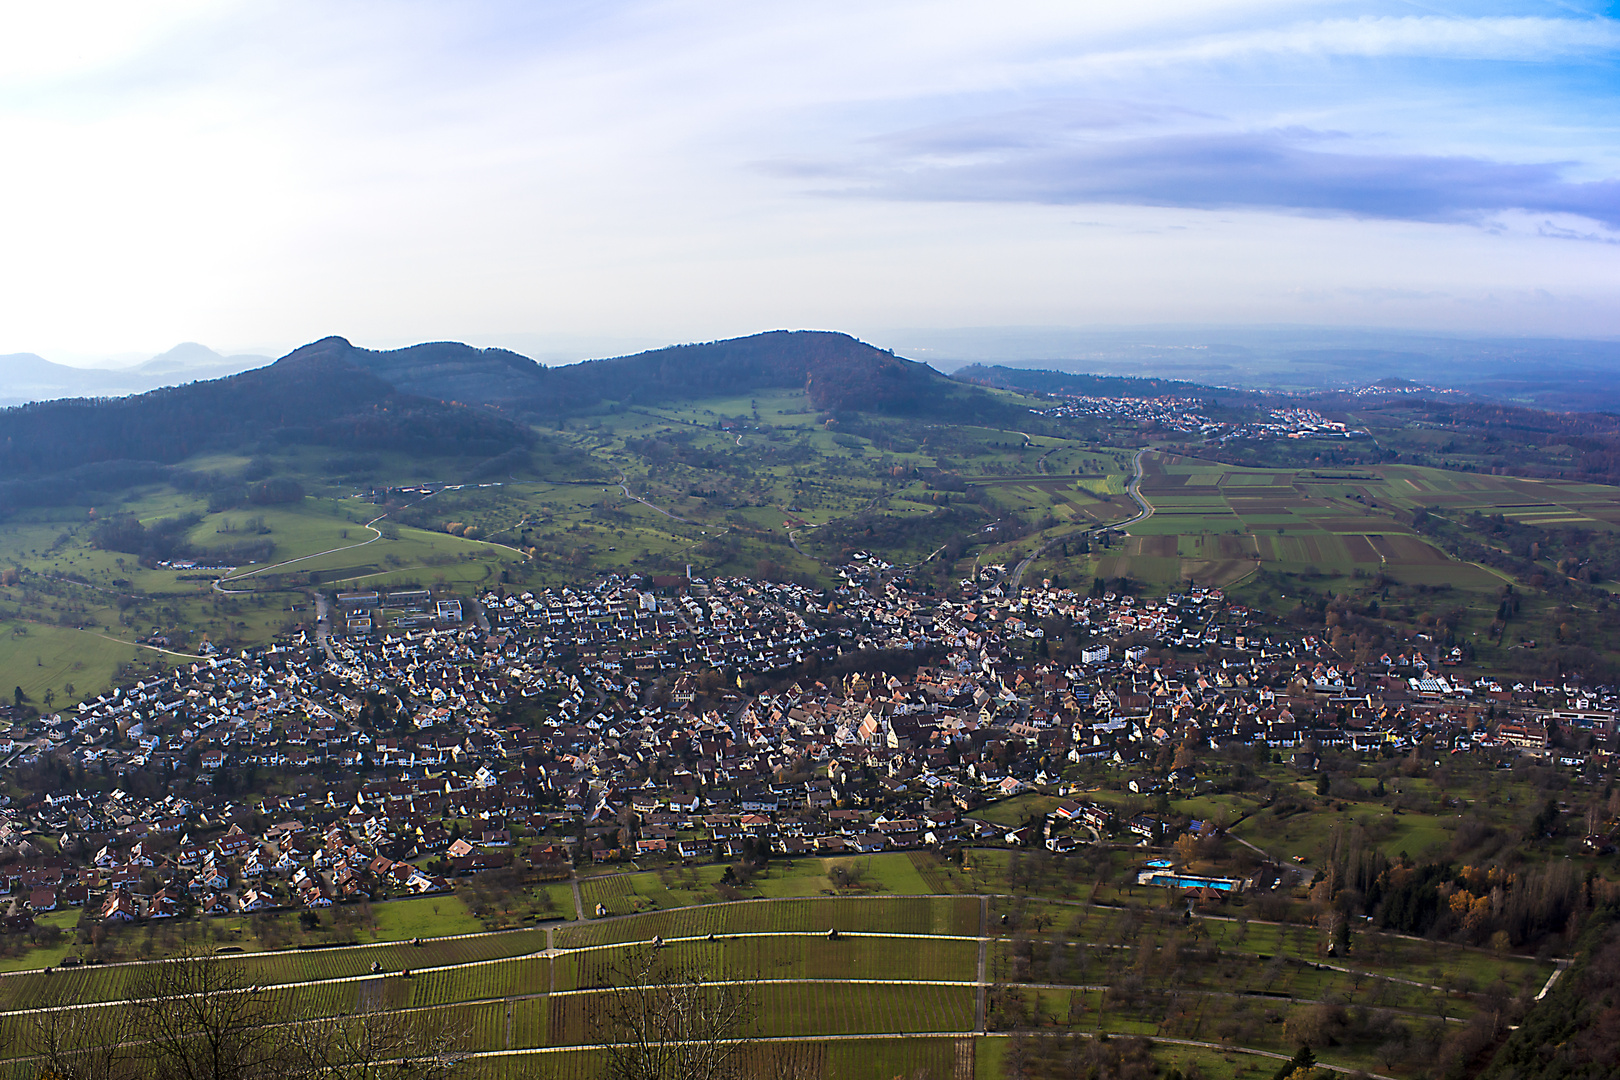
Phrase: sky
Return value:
(598, 177)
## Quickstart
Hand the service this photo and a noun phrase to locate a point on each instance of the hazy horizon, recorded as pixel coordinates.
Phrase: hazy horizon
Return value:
(645, 173)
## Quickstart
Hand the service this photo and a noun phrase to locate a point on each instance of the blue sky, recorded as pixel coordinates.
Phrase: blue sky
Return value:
(594, 177)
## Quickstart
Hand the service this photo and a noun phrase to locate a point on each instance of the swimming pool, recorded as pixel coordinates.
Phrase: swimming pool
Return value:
(1187, 881)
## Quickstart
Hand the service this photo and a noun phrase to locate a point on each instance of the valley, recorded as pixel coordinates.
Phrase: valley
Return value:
(967, 734)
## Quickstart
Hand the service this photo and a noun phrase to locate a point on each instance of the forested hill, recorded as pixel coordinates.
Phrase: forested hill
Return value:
(429, 399)
(443, 370)
(840, 373)
(312, 399)
(781, 359)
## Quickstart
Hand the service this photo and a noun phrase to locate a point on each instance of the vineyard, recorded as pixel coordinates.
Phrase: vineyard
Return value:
(912, 971)
(932, 915)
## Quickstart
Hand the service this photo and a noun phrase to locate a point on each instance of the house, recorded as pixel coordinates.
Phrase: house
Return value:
(17, 916)
(165, 905)
(119, 907)
(257, 900)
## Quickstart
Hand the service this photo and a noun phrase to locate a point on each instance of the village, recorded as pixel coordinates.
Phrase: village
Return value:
(1189, 416)
(689, 720)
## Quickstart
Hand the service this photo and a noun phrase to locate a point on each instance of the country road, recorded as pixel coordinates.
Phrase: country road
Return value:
(1132, 488)
(234, 576)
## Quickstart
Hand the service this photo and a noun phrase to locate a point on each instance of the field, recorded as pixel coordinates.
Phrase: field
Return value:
(1215, 524)
(957, 985)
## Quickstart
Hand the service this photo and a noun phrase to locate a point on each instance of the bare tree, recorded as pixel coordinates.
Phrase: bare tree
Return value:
(195, 1017)
(422, 1046)
(82, 1044)
(665, 1020)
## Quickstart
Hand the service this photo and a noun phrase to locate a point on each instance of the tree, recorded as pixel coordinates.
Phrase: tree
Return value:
(665, 1020)
(1185, 755)
(1302, 1063)
(196, 1018)
(371, 1044)
(18, 697)
(82, 1044)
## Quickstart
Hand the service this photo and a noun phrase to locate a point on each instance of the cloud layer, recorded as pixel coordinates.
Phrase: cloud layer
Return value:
(1285, 171)
(502, 171)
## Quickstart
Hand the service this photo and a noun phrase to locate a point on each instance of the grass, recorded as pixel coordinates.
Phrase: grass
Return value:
(426, 916)
(493, 997)
(1018, 809)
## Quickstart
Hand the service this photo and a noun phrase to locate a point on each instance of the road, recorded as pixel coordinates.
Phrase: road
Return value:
(1144, 510)
(138, 645)
(323, 625)
(651, 506)
(220, 582)
(234, 576)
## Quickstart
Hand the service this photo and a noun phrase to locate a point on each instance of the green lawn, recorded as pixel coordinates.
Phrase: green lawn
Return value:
(426, 916)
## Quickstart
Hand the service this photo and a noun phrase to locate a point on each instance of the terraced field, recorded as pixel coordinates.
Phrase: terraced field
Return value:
(907, 983)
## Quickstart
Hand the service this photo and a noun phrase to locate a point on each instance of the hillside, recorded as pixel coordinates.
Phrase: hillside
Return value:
(441, 370)
(300, 399)
(839, 372)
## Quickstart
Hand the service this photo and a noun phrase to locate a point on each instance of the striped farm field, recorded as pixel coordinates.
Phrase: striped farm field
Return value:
(795, 958)
(937, 915)
(64, 986)
(804, 1009)
(613, 892)
(855, 1060)
(511, 978)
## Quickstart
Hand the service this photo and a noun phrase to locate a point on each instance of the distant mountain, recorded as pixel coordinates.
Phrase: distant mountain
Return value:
(25, 377)
(190, 361)
(839, 373)
(445, 370)
(297, 400)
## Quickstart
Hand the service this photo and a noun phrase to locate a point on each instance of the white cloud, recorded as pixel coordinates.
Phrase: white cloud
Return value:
(251, 173)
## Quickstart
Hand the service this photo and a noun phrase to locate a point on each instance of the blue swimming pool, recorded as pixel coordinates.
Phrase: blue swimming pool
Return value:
(1181, 882)
(1186, 881)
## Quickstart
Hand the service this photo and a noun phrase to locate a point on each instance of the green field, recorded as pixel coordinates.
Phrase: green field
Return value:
(898, 965)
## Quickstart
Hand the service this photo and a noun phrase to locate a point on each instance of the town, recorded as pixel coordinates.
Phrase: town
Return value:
(1188, 416)
(677, 719)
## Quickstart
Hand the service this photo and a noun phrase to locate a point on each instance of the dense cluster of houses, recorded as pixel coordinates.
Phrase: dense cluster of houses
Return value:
(612, 722)
(1186, 415)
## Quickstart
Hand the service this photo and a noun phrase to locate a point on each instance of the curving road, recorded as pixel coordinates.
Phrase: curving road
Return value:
(1143, 512)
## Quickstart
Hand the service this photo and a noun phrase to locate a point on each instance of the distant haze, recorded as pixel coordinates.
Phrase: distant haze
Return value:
(603, 177)
(25, 377)
(1556, 373)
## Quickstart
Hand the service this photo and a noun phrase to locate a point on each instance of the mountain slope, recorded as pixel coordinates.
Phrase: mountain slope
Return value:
(299, 399)
(444, 370)
(839, 373)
